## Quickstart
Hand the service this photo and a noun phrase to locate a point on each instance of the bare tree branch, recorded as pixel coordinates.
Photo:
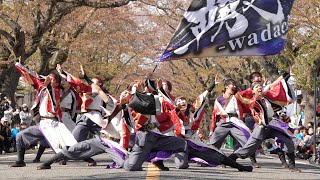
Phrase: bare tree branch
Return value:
(80, 28)
(10, 39)
(10, 22)
(98, 3)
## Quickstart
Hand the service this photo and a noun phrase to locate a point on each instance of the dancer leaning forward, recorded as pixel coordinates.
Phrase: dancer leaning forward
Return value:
(100, 143)
(47, 103)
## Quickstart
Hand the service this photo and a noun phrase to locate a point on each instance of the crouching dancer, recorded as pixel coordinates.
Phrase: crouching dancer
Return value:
(148, 136)
(187, 118)
(88, 148)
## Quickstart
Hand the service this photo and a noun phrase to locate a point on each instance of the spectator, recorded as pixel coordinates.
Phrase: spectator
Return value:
(5, 135)
(305, 145)
(1, 110)
(310, 125)
(25, 115)
(14, 132)
(23, 126)
(8, 111)
(16, 116)
(308, 137)
(302, 133)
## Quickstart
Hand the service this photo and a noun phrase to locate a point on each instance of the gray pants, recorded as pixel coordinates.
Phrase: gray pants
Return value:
(29, 136)
(83, 126)
(259, 134)
(86, 149)
(210, 155)
(67, 121)
(147, 142)
(222, 130)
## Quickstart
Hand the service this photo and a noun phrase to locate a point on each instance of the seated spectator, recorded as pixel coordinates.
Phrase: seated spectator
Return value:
(14, 132)
(310, 124)
(25, 115)
(16, 118)
(302, 133)
(5, 136)
(304, 148)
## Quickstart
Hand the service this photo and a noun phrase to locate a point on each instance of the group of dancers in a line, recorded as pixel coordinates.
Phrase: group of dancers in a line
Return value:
(147, 123)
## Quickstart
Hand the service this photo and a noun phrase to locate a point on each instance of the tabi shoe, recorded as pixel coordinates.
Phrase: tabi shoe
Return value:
(36, 161)
(294, 169)
(160, 165)
(92, 164)
(285, 165)
(255, 165)
(245, 168)
(42, 167)
(18, 164)
(63, 162)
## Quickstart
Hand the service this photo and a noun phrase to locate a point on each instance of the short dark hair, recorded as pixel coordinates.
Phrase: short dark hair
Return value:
(253, 75)
(56, 76)
(230, 81)
(302, 128)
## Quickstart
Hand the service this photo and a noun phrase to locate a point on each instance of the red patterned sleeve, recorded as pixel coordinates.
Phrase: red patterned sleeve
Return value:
(125, 135)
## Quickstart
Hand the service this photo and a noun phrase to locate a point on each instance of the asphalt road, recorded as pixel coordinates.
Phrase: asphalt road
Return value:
(271, 169)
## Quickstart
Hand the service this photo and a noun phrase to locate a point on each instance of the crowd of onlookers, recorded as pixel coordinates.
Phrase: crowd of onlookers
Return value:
(12, 121)
(306, 138)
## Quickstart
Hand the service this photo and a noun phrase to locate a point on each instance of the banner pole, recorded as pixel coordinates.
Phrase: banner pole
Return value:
(154, 69)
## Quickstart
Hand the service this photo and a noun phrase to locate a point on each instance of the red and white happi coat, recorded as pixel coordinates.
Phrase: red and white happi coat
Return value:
(119, 123)
(47, 102)
(167, 97)
(192, 121)
(280, 94)
(163, 121)
(223, 107)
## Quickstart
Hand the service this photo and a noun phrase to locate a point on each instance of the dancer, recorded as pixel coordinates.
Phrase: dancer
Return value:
(48, 104)
(262, 112)
(97, 145)
(187, 118)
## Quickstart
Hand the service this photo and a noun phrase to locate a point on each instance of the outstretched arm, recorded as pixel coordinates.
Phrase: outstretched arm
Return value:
(216, 81)
(84, 75)
(99, 91)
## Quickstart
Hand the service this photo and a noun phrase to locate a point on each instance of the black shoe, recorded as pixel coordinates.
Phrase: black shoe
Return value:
(234, 157)
(294, 169)
(255, 165)
(63, 162)
(245, 168)
(18, 164)
(275, 151)
(42, 167)
(160, 165)
(36, 161)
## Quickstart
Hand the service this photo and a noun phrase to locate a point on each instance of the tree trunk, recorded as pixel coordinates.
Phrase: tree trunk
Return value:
(309, 109)
(49, 59)
(10, 82)
(44, 59)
